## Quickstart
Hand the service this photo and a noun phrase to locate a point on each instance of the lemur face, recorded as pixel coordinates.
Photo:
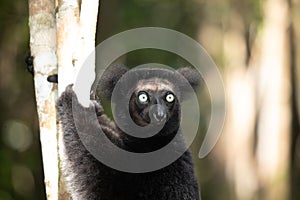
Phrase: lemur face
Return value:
(153, 101)
(154, 95)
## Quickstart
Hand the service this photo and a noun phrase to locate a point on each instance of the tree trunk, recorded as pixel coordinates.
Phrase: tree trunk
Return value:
(241, 113)
(59, 42)
(42, 26)
(258, 103)
(273, 97)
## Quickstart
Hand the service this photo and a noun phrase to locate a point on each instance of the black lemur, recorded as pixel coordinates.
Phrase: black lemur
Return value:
(89, 179)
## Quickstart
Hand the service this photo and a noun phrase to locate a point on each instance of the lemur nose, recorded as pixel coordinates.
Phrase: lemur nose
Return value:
(159, 113)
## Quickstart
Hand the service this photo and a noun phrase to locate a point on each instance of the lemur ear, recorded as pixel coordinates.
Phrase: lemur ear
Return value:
(191, 75)
(109, 80)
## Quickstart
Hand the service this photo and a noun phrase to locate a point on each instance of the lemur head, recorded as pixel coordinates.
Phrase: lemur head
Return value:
(153, 100)
(154, 95)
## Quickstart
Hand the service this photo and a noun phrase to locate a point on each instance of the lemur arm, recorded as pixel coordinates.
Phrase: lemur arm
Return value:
(80, 167)
(65, 104)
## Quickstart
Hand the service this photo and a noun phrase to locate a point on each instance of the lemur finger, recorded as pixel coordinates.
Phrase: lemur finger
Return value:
(98, 108)
(53, 78)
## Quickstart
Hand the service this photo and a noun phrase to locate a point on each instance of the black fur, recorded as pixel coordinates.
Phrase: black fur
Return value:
(29, 63)
(112, 75)
(89, 179)
(109, 79)
(53, 78)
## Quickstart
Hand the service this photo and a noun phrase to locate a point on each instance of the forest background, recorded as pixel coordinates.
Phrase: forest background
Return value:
(255, 44)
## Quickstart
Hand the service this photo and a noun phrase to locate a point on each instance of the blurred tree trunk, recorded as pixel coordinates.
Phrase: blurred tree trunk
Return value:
(58, 44)
(257, 132)
(239, 138)
(274, 98)
(295, 161)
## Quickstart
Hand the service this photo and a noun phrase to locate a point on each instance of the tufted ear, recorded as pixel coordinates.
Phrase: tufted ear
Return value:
(109, 80)
(191, 75)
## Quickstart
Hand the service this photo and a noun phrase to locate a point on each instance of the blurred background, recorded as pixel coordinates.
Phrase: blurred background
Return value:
(254, 44)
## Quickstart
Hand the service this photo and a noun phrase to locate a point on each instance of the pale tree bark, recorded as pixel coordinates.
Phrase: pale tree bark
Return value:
(42, 25)
(67, 23)
(59, 42)
(76, 28)
(273, 97)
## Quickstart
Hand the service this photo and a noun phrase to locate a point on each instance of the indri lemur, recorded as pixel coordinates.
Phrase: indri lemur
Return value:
(89, 179)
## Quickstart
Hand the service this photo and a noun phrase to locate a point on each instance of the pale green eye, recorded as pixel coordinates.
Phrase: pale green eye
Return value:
(170, 98)
(143, 98)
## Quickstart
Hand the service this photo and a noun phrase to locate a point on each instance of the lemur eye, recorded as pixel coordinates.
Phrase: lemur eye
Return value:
(143, 97)
(170, 98)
